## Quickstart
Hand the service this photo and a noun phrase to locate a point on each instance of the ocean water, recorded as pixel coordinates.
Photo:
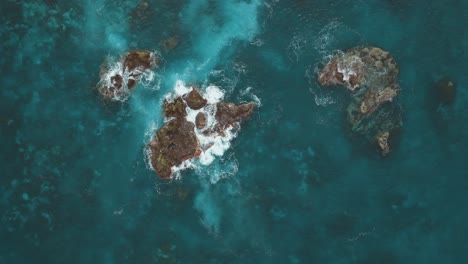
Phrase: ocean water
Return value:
(295, 186)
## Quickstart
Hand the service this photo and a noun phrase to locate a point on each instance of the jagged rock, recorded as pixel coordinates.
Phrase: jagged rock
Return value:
(200, 120)
(227, 114)
(372, 74)
(173, 144)
(195, 100)
(117, 85)
(175, 108)
(140, 60)
(177, 140)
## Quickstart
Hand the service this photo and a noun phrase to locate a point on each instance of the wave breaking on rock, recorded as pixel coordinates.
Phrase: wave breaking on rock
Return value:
(119, 78)
(371, 74)
(198, 127)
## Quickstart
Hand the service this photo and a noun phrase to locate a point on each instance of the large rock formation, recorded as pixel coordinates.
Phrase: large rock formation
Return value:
(118, 79)
(173, 144)
(371, 74)
(178, 140)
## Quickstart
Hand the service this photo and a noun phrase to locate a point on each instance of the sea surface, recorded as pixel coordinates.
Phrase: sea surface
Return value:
(295, 186)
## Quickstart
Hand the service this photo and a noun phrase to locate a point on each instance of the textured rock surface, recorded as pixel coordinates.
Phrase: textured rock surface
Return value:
(195, 100)
(227, 114)
(372, 75)
(173, 144)
(177, 140)
(117, 82)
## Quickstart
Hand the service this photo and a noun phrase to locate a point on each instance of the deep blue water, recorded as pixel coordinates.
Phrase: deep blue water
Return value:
(296, 187)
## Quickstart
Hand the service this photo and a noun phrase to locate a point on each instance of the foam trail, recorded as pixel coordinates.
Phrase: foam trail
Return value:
(102, 23)
(239, 22)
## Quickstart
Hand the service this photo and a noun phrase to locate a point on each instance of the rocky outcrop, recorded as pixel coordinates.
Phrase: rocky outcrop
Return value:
(371, 74)
(228, 114)
(178, 140)
(195, 100)
(120, 78)
(173, 144)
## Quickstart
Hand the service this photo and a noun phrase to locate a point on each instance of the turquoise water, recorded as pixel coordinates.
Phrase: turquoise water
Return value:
(295, 187)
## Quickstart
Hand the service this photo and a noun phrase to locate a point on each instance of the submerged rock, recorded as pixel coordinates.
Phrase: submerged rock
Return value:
(446, 91)
(118, 79)
(140, 16)
(175, 108)
(180, 140)
(372, 75)
(170, 43)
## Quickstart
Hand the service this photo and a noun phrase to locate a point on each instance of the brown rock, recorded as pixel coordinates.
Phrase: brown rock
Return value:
(139, 59)
(195, 100)
(227, 113)
(134, 64)
(345, 69)
(200, 120)
(175, 108)
(371, 110)
(173, 144)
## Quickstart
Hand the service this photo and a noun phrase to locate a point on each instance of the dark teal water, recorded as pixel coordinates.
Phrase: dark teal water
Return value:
(295, 187)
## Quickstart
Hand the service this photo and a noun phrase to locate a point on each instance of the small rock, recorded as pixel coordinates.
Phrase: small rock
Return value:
(382, 141)
(227, 113)
(200, 120)
(195, 100)
(446, 91)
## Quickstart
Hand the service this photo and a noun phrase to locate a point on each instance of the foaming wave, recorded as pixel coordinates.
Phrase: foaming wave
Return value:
(113, 67)
(320, 98)
(147, 151)
(325, 37)
(212, 145)
(247, 92)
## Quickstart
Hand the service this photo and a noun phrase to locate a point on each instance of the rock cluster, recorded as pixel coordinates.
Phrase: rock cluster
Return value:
(117, 80)
(372, 76)
(178, 140)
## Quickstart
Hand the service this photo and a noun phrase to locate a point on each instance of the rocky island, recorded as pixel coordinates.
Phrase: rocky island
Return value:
(196, 127)
(118, 79)
(371, 76)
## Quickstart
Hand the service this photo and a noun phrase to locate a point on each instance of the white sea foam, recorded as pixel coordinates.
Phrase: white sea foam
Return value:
(248, 92)
(113, 67)
(147, 151)
(213, 145)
